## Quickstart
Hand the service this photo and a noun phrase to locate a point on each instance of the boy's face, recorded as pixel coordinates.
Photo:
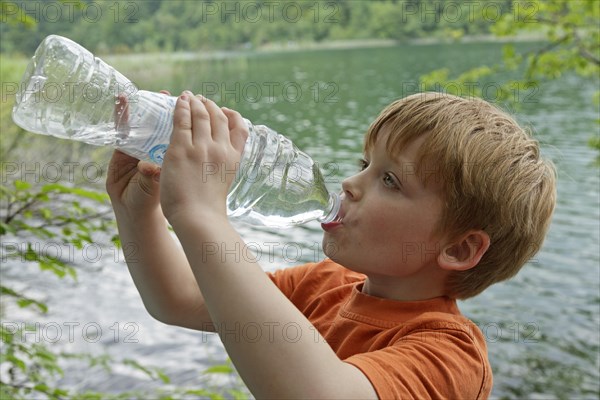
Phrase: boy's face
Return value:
(389, 218)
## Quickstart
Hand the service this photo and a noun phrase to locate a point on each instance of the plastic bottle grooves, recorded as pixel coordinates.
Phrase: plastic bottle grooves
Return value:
(276, 185)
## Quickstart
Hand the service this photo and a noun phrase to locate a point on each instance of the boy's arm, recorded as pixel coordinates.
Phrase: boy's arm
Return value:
(275, 349)
(156, 262)
(160, 270)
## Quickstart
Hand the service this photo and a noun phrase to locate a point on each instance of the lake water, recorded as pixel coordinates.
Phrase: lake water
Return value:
(542, 327)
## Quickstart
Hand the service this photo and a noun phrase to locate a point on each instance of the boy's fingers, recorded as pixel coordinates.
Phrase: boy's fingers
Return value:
(149, 176)
(182, 121)
(238, 129)
(219, 123)
(120, 165)
(148, 169)
(200, 119)
(120, 170)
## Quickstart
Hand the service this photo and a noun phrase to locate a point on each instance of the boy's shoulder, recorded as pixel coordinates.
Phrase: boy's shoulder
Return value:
(327, 282)
(391, 341)
(316, 275)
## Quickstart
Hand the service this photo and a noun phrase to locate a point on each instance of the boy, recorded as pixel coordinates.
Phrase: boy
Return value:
(452, 197)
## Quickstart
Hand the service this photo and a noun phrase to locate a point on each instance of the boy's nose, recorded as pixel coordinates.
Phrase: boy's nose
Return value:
(350, 188)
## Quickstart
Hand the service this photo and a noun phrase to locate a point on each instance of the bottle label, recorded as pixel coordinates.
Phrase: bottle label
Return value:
(157, 153)
(157, 111)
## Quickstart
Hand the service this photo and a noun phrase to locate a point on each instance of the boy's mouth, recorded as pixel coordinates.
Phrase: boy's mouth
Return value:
(338, 221)
(328, 227)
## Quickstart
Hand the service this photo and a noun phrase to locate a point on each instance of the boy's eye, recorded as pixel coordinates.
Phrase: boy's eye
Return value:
(363, 164)
(390, 181)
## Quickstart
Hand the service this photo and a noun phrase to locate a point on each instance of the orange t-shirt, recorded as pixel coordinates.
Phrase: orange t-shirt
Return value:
(421, 349)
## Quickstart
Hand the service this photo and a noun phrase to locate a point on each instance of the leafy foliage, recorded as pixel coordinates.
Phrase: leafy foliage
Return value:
(35, 212)
(30, 216)
(167, 25)
(51, 212)
(64, 214)
(570, 45)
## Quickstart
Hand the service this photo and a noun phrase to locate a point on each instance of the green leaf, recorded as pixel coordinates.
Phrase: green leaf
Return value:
(5, 191)
(116, 241)
(6, 336)
(43, 197)
(204, 393)
(163, 377)
(8, 291)
(84, 237)
(89, 194)
(30, 254)
(24, 302)
(55, 187)
(22, 185)
(594, 142)
(72, 272)
(219, 369)
(151, 372)
(44, 354)
(5, 228)
(17, 362)
(510, 56)
(58, 393)
(41, 387)
(46, 213)
(54, 267)
(237, 394)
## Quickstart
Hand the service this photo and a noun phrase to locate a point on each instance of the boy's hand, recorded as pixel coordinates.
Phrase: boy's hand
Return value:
(202, 159)
(132, 184)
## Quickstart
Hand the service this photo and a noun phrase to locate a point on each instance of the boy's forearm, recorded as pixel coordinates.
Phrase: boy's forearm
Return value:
(276, 350)
(161, 271)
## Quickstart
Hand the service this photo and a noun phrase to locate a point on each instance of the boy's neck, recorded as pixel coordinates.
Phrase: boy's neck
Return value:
(405, 288)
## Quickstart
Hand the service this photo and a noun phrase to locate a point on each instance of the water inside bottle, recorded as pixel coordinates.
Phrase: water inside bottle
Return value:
(69, 93)
(277, 185)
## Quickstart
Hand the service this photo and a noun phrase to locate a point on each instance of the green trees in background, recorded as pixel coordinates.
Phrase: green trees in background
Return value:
(570, 44)
(166, 25)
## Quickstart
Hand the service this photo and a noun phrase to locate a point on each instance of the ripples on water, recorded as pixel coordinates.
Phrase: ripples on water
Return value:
(542, 327)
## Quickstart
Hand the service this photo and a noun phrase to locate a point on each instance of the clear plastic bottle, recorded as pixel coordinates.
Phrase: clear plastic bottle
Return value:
(68, 93)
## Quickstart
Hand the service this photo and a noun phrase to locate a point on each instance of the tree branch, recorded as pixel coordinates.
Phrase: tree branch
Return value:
(9, 216)
(539, 52)
(65, 222)
(583, 51)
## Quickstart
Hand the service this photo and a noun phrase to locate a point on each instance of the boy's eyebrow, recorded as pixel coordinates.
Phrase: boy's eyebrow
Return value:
(419, 174)
(426, 176)
(406, 172)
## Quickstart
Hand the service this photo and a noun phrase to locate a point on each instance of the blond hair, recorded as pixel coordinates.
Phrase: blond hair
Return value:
(492, 176)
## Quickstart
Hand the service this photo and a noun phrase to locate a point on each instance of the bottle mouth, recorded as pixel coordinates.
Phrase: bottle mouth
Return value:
(334, 208)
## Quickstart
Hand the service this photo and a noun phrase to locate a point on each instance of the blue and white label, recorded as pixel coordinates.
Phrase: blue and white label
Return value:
(157, 153)
(157, 114)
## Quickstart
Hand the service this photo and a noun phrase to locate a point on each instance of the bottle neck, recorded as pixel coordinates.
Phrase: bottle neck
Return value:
(333, 208)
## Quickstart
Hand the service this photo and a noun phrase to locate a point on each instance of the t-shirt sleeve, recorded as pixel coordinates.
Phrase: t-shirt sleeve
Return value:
(305, 283)
(287, 279)
(436, 364)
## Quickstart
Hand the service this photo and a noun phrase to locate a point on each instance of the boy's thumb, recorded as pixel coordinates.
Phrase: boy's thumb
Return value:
(150, 173)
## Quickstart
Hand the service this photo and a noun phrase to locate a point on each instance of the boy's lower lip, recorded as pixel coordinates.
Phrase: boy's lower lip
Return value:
(328, 227)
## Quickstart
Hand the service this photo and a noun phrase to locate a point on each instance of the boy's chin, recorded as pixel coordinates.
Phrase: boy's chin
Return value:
(330, 249)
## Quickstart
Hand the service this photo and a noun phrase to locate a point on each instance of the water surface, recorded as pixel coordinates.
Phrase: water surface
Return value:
(542, 327)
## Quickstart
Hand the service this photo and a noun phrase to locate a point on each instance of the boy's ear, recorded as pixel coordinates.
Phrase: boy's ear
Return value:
(464, 253)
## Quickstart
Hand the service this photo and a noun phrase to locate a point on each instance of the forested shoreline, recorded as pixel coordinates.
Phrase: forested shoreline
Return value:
(165, 26)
